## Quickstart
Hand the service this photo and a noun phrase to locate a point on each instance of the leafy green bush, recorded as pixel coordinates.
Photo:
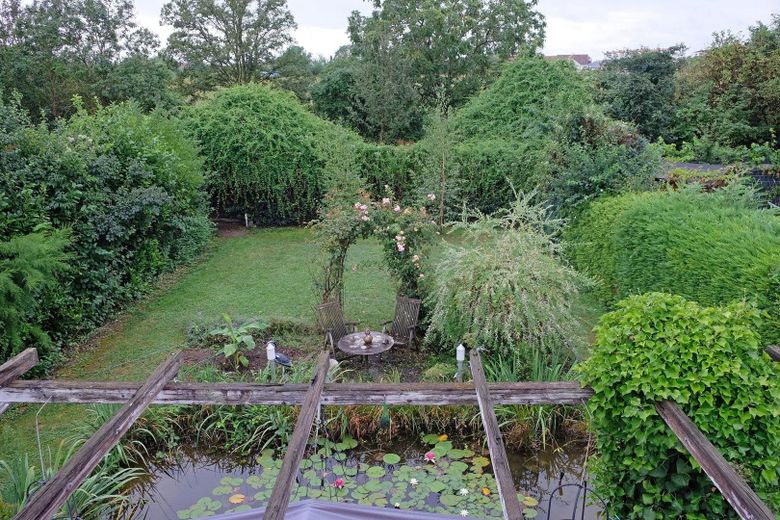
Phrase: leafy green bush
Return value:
(505, 287)
(29, 264)
(266, 151)
(126, 185)
(537, 127)
(709, 361)
(709, 247)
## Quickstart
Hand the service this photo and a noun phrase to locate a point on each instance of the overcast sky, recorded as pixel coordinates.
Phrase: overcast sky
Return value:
(573, 26)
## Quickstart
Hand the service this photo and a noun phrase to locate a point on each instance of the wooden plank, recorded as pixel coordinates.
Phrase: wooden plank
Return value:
(733, 488)
(498, 458)
(45, 503)
(774, 352)
(18, 365)
(280, 495)
(15, 367)
(86, 392)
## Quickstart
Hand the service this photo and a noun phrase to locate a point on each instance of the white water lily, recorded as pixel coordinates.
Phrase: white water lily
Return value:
(413, 482)
(463, 492)
(464, 513)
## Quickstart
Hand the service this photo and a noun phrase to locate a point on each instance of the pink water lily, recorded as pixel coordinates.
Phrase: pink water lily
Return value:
(339, 483)
(430, 457)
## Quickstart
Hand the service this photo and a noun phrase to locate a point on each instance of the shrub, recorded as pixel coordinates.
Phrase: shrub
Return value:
(267, 153)
(127, 186)
(708, 360)
(505, 287)
(537, 128)
(708, 247)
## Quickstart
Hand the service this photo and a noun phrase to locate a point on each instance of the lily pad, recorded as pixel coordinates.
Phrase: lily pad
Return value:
(431, 438)
(437, 486)
(391, 458)
(530, 513)
(375, 472)
(450, 500)
(480, 462)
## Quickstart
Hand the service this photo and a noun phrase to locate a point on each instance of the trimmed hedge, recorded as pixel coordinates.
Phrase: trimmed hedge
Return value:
(127, 187)
(712, 248)
(709, 361)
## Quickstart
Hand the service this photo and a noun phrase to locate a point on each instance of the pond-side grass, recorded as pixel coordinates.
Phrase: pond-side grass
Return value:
(263, 273)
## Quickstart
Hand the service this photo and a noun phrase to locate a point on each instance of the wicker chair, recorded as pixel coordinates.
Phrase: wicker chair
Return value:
(404, 326)
(330, 321)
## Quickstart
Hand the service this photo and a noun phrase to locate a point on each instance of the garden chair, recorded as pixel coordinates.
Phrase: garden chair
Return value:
(330, 320)
(404, 325)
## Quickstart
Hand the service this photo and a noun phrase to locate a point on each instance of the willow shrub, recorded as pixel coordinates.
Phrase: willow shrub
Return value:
(709, 361)
(712, 248)
(505, 286)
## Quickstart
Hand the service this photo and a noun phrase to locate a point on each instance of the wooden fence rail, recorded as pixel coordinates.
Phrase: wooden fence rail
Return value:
(15, 367)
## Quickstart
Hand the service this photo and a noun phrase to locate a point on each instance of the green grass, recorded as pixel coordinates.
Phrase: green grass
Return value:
(264, 273)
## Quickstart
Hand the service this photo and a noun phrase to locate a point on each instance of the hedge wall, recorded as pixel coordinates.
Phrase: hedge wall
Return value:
(127, 187)
(709, 247)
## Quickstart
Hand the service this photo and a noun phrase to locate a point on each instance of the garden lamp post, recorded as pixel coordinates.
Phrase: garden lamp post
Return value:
(460, 357)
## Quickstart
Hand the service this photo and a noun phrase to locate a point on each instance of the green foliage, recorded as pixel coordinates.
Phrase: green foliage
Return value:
(727, 97)
(506, 287)
(404, 232)
(536, 128)
(29, 264)
(99, 495)
(709, 361)
(232, 41)
(709, 247)
(237, 340)
(638, 86)
(267, 153)
(126, 184)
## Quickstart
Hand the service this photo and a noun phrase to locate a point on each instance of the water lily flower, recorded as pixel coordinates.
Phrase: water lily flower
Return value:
(339, 483)
(464, 513)
(463, 492)
(397, 505)
(430, 456)
(431, 196)
(414, 482)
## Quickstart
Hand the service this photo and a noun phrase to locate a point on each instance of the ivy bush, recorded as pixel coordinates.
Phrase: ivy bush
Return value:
(537, 128)
(708, 247)
(710, 362)
(505, 287)
(126, 185)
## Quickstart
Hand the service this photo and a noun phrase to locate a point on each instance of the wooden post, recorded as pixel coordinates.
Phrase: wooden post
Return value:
(280, 495)
(18, 365)
(337, 394)
(774, 352)
(733, 488)
(498, 458)
(45, 503)
(15, 367)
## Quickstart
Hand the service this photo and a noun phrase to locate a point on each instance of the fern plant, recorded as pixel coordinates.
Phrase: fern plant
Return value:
(28, 265)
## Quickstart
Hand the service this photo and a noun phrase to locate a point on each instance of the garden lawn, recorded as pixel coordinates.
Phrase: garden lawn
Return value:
(264, 273)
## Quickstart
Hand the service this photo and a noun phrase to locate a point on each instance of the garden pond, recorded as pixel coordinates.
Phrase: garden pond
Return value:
(434, 474)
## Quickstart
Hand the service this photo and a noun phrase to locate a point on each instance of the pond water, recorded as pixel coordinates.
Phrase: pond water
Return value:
(197, 484)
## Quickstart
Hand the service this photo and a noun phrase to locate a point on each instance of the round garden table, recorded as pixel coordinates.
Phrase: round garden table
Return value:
(354, 345)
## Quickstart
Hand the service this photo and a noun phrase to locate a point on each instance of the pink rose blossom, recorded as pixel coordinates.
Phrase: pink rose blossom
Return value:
(385, 201)
(397, 208)
(401, 248)
(415, 258)
(364, 218)
(431, 197)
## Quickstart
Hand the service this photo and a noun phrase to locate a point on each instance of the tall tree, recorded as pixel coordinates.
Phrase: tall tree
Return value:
(638, 86)
(232, 39)
(295, 70)
(451, 46)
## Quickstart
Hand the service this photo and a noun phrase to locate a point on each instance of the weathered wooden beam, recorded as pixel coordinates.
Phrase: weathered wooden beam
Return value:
(87, 392)
(45, 503)
(498, 457)
(15, 367)
(774, 352)
(733, 488)
(280, 495)
(18, 365)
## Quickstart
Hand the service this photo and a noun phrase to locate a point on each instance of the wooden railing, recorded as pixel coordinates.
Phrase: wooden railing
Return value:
(158, 390)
